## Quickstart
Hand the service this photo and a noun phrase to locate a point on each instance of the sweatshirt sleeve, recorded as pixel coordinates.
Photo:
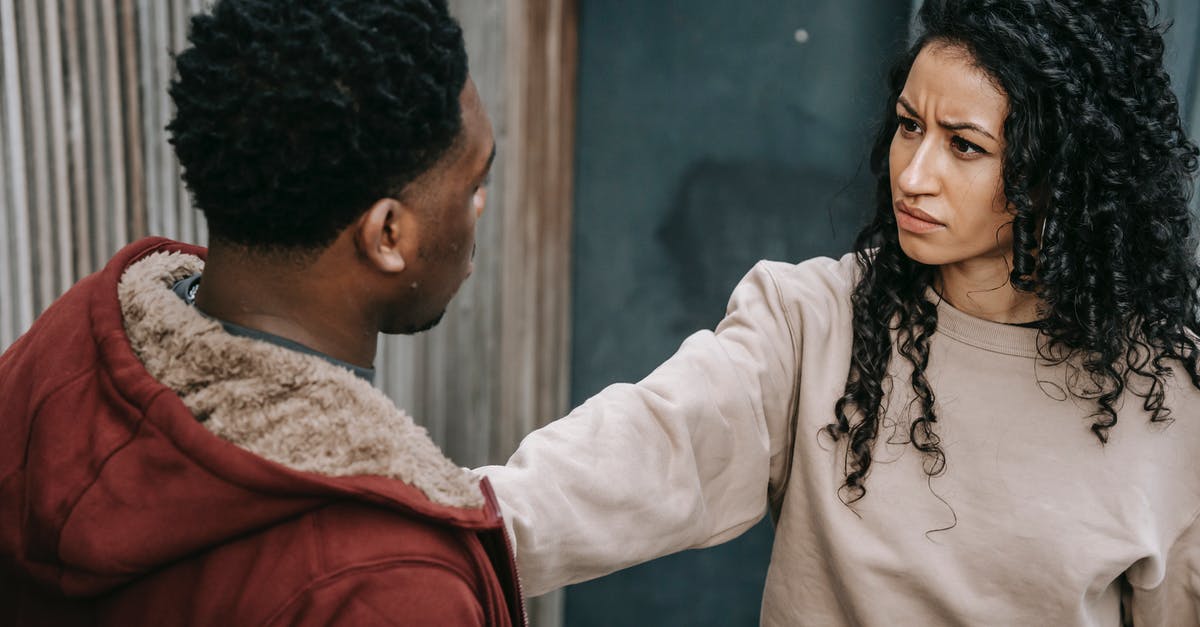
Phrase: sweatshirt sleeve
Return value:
(682, 459)
(1174, 599)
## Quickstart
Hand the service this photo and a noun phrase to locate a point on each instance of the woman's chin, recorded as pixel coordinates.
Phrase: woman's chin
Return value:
(921, 252)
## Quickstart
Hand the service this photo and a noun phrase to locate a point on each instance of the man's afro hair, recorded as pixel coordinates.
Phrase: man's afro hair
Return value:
(293, 116)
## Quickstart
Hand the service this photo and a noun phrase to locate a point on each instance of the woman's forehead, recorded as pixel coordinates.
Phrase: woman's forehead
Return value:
(946, 79)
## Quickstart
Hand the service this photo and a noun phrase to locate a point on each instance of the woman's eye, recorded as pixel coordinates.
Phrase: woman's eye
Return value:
(965, 147)
(909, 125)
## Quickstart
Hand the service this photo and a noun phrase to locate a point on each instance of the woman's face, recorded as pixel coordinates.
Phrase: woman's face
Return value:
(946, 159)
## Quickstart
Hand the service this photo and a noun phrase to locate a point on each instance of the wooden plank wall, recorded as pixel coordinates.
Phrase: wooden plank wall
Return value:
(85, 168)
(84, 162)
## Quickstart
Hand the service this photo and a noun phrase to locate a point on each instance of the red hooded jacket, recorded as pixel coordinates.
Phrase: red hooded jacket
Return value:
(119, 507)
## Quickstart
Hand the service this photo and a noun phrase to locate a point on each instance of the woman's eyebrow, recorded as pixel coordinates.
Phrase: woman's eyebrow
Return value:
(948, 125)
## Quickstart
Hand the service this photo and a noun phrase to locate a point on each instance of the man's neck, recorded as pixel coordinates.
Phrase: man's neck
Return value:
(304, 303)
(981, 288)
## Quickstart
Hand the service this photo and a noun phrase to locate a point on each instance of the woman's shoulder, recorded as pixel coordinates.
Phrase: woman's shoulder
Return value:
(813, 295)
(813, 281)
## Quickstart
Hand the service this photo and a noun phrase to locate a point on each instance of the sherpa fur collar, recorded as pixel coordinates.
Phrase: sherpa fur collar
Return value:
(288, 407)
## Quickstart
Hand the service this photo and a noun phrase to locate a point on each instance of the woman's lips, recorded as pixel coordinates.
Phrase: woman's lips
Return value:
(914, 220)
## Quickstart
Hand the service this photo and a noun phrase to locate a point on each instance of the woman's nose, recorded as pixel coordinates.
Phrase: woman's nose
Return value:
(919, 176)
(480, 201)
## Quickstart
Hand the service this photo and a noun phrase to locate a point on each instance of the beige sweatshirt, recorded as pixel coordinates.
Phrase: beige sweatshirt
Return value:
(1045, 525)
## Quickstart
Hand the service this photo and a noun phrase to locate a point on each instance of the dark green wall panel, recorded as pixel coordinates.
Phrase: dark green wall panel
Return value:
(709, 137)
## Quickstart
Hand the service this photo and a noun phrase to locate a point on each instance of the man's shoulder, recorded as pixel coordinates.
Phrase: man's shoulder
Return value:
(404, 562)
(331, 565)
(353, 533)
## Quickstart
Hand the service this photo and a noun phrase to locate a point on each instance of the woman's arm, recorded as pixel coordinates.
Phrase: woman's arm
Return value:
(679, 460)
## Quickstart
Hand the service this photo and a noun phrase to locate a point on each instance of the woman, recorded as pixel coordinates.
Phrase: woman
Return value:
(986, 414)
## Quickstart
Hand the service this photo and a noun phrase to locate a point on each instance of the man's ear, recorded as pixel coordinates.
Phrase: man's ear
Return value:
(387, 235)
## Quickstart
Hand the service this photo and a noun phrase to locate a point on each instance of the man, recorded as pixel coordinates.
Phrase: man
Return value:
(191, 436)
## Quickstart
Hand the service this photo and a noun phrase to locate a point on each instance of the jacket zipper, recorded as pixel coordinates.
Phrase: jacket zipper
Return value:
(494, 506)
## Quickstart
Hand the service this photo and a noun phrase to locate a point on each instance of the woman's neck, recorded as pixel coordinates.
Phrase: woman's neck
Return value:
(980, 288)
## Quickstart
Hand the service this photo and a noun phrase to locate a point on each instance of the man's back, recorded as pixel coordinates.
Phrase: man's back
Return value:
(159, 470)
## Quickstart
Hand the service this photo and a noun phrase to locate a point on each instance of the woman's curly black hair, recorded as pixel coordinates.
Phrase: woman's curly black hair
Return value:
(1097, 173)
(293, 116)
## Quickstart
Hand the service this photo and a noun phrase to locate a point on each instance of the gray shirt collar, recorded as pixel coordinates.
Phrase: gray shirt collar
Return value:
(186, 289)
